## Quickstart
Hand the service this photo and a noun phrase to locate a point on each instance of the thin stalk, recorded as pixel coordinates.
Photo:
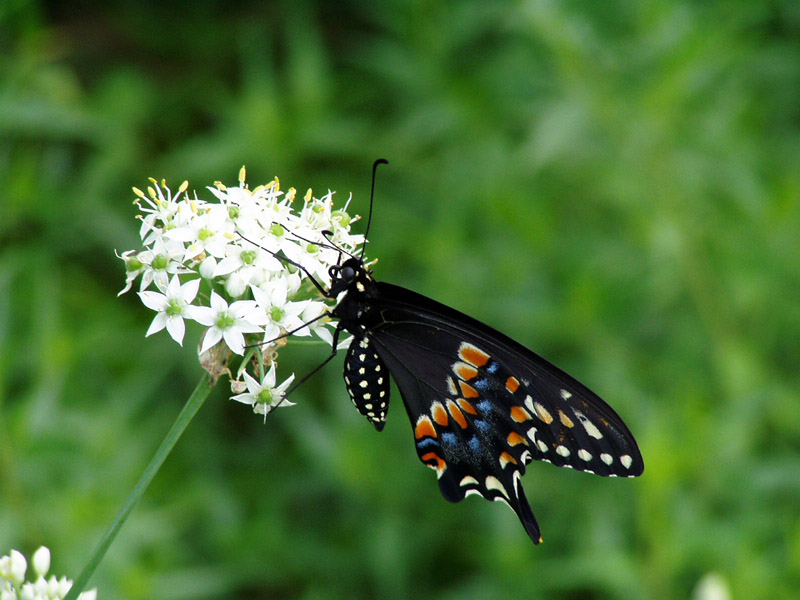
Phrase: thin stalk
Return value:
(190, 409)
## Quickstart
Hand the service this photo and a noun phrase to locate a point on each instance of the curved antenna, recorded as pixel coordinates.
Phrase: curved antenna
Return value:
(332, 246)
(380, 161)
(317, 284)
(327, 235)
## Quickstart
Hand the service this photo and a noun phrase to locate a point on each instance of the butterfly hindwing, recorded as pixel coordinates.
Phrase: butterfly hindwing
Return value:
(472, 442)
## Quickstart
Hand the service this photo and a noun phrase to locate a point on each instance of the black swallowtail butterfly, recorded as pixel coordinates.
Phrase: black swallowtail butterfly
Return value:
(481, 405)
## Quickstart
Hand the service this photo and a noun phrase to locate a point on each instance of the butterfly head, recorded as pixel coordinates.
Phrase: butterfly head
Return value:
(351, 276)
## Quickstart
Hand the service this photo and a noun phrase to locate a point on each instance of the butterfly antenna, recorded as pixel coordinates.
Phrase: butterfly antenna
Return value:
(330, 244)
(284, 259)
(380, 161)
(327, 235)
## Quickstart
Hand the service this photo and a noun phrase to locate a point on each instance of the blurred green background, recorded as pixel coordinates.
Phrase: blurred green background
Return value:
(614, 184)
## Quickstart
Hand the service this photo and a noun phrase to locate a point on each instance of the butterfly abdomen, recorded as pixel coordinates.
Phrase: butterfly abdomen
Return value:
(367, 381)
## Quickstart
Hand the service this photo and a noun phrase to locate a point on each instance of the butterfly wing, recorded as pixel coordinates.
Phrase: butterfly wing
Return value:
(483, 406)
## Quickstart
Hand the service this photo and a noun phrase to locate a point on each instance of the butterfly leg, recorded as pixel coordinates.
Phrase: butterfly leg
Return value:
(333, 353)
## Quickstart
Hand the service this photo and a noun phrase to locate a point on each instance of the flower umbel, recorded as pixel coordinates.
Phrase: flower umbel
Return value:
(14, 587)
(240, 264)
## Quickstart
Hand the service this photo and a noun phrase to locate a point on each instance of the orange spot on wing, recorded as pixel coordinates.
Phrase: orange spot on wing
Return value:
(514, 439)
(473, 355)
(435, 461)
(468, 390)
(456, 413)
(519, 414)
(542, 412)
(439, 414)
(506, 458)
(466, 406)
(424, 428)
(466, 372)
(512, 384)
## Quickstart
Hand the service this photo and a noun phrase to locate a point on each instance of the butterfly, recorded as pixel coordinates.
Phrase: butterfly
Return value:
(482, 406)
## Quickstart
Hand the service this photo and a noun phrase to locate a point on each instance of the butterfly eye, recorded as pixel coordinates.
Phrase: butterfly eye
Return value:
(348, 273)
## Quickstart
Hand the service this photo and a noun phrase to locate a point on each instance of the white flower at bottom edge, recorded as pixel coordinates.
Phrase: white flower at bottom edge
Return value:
(41, 561)
(13, 567)
(264, 396)
(229, 323)
(173, 307)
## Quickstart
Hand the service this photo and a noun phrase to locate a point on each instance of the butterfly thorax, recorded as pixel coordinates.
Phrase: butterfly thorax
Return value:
(353, 309)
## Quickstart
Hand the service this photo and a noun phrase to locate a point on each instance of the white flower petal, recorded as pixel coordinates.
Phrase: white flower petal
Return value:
(181, 234)
(227, 265)
(218, 303)
(153, 300)
(241, 308)
(189, 290)
(159, 322)
(202, 314)
(211, 338)
(253, 386)
(246, 398)
(234, 339)
(176, 328)
(208, 267)
(269, 378)
(173, 287)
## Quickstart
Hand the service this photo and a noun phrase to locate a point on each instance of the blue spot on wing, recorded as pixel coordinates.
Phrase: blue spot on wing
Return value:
(493, 366)
(482, 425)
(427, 442)
(449, 438)
(485, 406)
(474, 444)
(482, 384)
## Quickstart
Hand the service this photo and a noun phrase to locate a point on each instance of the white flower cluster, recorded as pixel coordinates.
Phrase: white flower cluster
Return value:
(14, 587)
(242, 266)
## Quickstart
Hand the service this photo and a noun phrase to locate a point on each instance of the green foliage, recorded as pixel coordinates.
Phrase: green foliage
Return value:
(614, 184)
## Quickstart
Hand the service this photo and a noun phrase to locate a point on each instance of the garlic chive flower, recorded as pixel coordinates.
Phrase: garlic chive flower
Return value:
(264, 396)
(14, 587)
(229, 322)
(173, 306)
(237, 261)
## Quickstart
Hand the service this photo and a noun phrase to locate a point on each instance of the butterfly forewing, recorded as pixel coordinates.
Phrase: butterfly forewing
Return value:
(568, 423)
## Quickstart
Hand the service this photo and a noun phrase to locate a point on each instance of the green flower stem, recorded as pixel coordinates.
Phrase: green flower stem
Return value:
(190, 409)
